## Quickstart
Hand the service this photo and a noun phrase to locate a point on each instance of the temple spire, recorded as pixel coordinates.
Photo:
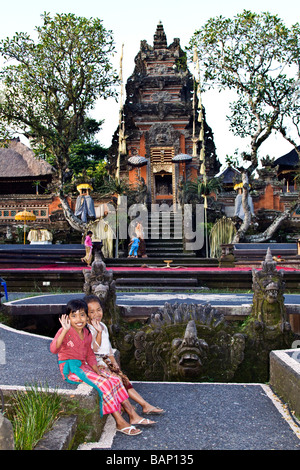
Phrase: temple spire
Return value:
(160, 38)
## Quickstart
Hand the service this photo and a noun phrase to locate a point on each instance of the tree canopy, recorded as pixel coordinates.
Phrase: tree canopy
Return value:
(51, 82)
(257, 56)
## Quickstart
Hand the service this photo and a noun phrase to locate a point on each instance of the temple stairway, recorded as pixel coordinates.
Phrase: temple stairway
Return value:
(164, 247)
(165, 236)
(59, 265)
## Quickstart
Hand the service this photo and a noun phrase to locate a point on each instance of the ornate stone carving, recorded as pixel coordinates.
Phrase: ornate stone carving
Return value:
(163, 134)
(184, 342)
(268, 300)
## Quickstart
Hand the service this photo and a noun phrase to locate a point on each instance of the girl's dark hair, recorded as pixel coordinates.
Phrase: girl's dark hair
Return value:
(89, 233)
(76, 304)
(93, 298)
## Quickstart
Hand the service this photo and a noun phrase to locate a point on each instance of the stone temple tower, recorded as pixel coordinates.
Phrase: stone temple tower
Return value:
(160, 120)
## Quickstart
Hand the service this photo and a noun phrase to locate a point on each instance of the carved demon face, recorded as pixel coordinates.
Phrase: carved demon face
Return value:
(272, 292)
(188, 354)
(172, 347)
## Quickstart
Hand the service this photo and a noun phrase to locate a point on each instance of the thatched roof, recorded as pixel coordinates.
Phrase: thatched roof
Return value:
(19, 161)
(290, 159)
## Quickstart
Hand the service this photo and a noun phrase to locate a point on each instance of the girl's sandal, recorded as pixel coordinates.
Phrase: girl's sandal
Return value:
(145, 422)
(130, 431)
(152, 411)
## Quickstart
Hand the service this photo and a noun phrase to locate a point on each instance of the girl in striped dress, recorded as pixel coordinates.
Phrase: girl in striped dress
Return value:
(78, 363)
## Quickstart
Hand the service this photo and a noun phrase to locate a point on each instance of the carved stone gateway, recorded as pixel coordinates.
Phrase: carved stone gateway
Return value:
(183, 342)
(160, 120)
(194, 342)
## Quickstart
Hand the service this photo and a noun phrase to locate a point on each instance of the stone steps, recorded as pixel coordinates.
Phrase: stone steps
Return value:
(165, 236)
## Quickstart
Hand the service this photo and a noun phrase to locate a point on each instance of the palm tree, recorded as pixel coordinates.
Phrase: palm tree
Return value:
(195, 191)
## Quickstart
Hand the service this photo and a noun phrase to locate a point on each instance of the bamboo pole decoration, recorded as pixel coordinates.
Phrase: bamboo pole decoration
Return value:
(200, 116)
(202, 141)
(120, 149)
(121, 121)
(194, 139)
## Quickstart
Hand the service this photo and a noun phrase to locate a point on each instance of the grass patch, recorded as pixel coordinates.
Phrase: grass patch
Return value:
(34, 411)
(32, 414)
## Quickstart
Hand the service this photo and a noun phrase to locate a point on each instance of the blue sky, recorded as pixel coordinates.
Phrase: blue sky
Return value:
(132, 21)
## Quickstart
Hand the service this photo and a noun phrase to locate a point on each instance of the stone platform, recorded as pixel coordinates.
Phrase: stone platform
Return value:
(226, 417)
(137, 305)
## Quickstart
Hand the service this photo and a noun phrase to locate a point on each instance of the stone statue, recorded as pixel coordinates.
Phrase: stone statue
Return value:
(267, 327)
(268, 300)
(99, 281)
(142, 193)
(183, 342)
(9, 235)
(238, 206)
(180, 192)
(84, 208)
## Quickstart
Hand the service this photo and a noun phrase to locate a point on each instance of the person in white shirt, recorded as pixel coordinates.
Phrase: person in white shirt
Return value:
(105, 356)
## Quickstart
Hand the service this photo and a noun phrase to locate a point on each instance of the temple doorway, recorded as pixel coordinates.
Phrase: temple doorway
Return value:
(163, 185)
(162, 175)
(163, 188)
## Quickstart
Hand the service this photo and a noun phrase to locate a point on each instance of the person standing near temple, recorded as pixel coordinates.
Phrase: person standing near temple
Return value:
(88, 248)
(140, 234)
(134, 245)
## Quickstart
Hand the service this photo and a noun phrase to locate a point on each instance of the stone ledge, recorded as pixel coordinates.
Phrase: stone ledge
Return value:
(6, 434)
(60, 436)
(285, 377)
(87, 399)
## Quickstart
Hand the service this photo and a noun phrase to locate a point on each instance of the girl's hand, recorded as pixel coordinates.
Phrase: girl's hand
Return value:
(65, 322)
(116, 367)
(97, 325)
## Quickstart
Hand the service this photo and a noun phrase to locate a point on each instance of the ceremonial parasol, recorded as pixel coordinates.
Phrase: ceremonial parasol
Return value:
(137, 160)
(84, 186)
(182, 158)
(240, 185)
(25, 215)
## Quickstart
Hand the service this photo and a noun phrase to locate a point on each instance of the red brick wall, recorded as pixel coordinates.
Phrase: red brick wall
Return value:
(269, 200)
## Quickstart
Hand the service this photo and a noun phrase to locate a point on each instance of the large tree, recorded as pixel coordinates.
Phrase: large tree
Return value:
(257, 57)
(289, 122)
(51, 82)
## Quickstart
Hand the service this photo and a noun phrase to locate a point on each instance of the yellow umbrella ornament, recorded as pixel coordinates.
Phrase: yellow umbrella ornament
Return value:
(24, 216)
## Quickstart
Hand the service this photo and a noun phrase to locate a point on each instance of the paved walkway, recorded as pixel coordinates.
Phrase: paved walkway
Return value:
(148, 298)
(207, 416)
(198, 415)
(137, 305)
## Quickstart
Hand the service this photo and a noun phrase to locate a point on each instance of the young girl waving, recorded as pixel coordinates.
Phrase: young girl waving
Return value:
(105, 357)
(78, 363)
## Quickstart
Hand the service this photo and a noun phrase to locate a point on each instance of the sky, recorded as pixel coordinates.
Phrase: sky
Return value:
(132, 21)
